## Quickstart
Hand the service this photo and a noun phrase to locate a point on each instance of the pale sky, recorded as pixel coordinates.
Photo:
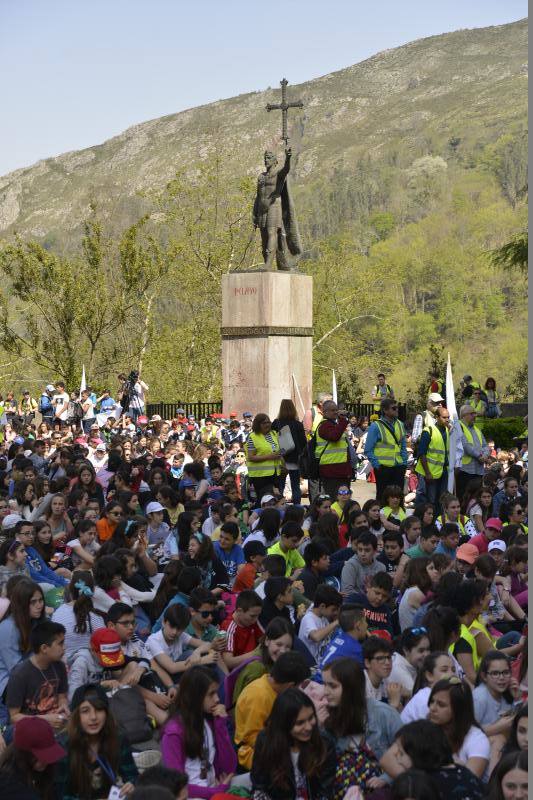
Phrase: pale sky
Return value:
(76, 72)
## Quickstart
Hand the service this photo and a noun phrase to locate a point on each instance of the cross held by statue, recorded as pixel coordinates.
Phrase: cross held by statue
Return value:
(284, 107)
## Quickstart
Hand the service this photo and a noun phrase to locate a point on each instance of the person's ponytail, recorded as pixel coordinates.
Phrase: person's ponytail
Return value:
(81, 590)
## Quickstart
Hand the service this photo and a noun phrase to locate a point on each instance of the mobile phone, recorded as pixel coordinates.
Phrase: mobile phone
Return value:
(114, 793)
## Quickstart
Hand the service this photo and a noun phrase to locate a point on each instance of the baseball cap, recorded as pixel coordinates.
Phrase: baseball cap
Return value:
(233, 414)
(435, 397)
(101, 448)
(19, 440)
(108, 650)
(497, 544)
(10, 520)
(50, 387)
(494, 522)
(267, 498)
(155, 418)
(86, 692)
(467, 552)
(36, 736)
(180, 411)
(153, 507)
(247, 414)
(142, 420)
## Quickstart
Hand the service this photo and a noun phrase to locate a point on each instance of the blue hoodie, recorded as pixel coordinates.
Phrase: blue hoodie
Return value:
(40, 572)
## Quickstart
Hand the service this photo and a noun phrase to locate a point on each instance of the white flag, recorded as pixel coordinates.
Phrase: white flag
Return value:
(334, 388)
(456, 447)
(83, 384)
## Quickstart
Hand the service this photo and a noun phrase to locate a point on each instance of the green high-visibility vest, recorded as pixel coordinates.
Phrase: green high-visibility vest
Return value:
(470, 439)
(261, 445)
(439, 445)
(331, 452)
(387, 450)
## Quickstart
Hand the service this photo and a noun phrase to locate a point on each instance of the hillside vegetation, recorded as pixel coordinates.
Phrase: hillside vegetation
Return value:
(410, 169)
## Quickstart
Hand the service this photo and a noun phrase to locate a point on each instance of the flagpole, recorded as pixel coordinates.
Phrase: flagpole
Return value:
(298, 393)
(455, 428)
(334, 387)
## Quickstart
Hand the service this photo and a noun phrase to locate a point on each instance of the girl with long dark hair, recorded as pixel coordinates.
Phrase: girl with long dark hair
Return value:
(87, 480)
(436, 666)
(26, 610)
(201, 554)
(509, 781)
(98, 757)
(344, 690)
(279, 638)
(78, 616)
(451, 707)
(195, 739)
(292, 757)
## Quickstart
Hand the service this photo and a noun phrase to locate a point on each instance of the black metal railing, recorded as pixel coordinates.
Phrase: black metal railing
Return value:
(202, 409)
(199, 409)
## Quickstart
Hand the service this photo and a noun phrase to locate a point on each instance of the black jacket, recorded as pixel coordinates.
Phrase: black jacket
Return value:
(319, 787)
(298, 435)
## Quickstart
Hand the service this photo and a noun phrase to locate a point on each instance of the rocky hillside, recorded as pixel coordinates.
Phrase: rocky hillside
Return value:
(470, 84)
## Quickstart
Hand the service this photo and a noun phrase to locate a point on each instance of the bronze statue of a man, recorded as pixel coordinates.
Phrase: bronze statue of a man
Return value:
(274, 214)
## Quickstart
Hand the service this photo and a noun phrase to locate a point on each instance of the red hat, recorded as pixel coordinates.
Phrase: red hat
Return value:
(494, 522)
(36, 736)
(106, 645)
(142, 420)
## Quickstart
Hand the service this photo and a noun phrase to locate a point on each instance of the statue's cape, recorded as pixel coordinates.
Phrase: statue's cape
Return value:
(290, 222)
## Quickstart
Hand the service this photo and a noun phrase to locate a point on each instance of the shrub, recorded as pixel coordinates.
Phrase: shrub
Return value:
(503, 430)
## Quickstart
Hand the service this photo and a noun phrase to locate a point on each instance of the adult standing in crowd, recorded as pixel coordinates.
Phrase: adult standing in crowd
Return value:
(381, 391)
(475, 450)
(263, 455)
(386, 447)
(332, 449)
(433, 459)
(428, 418)
(287, 424)
(312, 419)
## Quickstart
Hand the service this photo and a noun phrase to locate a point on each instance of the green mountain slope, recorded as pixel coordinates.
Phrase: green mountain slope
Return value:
(471, 81)
(409, 169)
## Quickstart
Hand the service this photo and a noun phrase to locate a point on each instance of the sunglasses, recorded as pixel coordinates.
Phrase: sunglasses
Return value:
(344, 491)
(323, 497)
(383, 658)
(418, 631)
(206, 614)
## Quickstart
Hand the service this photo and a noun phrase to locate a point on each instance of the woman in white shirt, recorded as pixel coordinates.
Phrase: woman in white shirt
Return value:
(452, 708)
(436, 666)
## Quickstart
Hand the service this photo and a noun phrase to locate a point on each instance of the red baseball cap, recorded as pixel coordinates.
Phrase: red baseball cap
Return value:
(107, 648)
(494, 522)
(36, 736)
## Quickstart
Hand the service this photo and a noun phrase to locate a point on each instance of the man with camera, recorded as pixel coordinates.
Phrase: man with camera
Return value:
(132, 395)
(332, 450)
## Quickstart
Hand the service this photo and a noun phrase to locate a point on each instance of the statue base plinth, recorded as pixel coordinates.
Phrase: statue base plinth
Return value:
(267, 341)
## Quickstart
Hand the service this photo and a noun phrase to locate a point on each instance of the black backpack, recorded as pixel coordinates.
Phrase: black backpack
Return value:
(128, 708)
(308, 463)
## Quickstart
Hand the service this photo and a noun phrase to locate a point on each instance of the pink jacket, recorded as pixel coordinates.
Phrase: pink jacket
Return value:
(173, 752)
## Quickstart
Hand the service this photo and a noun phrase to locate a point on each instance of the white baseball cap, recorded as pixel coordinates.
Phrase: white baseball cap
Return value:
(267, 498)
(154, 506)
(435, 397)
(497, 544)
(11, 520)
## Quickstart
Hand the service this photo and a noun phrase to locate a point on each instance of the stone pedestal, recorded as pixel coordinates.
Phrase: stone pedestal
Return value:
(267, 330)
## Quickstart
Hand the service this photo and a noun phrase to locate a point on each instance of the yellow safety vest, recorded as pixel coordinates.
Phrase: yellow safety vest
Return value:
(436, 454)
(470, 439)
(460, 522)
(478, 406)
(377, 400)
(387, 450)
(317, 419)
(261, 445)
(331, 452)
(465, 634)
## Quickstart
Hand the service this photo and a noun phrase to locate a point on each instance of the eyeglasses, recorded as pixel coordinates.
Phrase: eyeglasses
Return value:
(503, 673)
(128, 623)
(382, 658)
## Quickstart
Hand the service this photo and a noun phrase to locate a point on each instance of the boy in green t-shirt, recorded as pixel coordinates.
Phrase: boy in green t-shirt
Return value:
(290, 537)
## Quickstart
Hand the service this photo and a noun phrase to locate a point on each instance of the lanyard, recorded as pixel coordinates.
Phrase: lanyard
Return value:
(105, 765)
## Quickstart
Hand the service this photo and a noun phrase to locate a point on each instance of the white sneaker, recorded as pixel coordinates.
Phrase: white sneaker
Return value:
(146, 759)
